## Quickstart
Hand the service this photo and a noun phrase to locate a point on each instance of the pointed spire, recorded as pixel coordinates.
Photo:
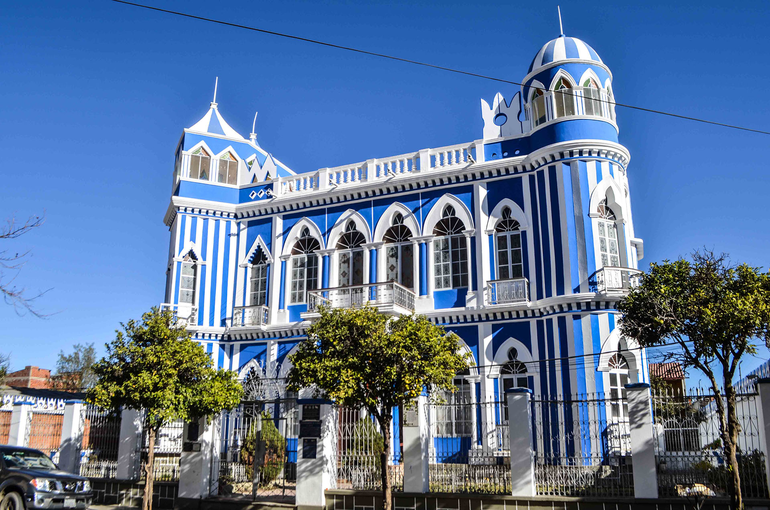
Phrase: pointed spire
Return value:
(253, 135)
(561, 27)
(216, 83)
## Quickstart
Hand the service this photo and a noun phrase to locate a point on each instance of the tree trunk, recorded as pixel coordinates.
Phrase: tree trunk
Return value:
(148, 469)
(387, 493)
(733, 427)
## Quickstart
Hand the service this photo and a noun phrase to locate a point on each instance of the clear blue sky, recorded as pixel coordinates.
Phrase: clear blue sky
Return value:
(95, 96)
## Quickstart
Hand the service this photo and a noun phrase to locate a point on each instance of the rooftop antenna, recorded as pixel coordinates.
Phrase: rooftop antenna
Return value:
(561, 28)
(216, 82)
(253, 135)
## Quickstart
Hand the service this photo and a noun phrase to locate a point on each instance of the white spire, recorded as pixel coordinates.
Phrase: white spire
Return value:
(253, 135)
(561, 28)
(216, 82)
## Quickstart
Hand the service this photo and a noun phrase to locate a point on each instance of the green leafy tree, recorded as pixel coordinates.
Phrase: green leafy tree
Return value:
(362, 358)
(713, 311)
(74, 372)
(152, 365)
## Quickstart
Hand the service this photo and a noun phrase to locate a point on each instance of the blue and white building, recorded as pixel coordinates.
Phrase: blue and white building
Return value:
(521, 242)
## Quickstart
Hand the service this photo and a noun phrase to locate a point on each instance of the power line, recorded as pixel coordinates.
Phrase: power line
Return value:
(425, 64)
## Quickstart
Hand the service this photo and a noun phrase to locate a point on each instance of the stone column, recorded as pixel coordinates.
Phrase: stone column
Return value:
(642, 440)
(520, 441)
(130, 444)
(20, 418)
(763, 385)
(71, 436)
(316, 471)
(416, 447)
(200, 443)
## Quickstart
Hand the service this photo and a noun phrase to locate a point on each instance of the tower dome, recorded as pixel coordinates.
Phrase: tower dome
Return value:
(563, 49)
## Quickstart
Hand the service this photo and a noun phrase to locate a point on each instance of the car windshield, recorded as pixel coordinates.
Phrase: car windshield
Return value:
(26, 459)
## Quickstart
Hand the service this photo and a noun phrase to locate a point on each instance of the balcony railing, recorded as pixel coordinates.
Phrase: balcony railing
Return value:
(616, 279)
(245, 316)
(503, 292)
(387, 297)
(184, 314)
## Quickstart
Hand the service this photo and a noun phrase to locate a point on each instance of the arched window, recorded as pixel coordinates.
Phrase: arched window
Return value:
(228, 169)
(351, 256)
(188, 279)
(618, 368)
(399, 253)
(538, 107)
(509, 256)
(258, 280)
(200, 164)
(304, 266)
(513, 374)
(592, 100)
(449, 251)
(608, 235)
(564, 98)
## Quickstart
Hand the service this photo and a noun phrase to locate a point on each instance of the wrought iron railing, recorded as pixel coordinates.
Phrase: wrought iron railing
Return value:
(185, 315)
(382, 295)
(501, 292)
(250, 316)
(616, 279)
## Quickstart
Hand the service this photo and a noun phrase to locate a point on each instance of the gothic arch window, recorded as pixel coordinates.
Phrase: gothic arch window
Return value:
(564, 98)
(618, 374)
(450, 254)
(258, 279)
(609, 249)
(351, 256)
(592, 100)
(539, 115)
(513, 374)
(228, 169)
(304, 266)
(188, 279)
(399, 253)
(200, 164)
(510, 263)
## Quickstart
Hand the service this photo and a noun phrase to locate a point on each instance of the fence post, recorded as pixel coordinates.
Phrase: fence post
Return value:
(520, 441)
(195, 461)
(642, 440)
(763, 386)
(71, 436)
(129, 446)
(316, 463)
(416, 447)
(19, 432)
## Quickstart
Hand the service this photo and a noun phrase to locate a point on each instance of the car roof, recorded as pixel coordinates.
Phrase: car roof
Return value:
(17, 448)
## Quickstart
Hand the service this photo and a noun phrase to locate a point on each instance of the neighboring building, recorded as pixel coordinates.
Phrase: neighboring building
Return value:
(29, 377)
(521, 242)
(671, 373)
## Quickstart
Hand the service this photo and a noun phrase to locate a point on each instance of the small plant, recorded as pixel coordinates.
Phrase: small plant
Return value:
(274, 447)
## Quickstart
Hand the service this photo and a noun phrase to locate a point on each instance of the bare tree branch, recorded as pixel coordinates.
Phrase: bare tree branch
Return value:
(13, 295)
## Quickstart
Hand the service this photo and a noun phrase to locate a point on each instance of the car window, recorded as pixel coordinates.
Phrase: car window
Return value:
(25, 459)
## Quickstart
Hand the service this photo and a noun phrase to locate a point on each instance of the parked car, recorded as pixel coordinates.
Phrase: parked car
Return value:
(29, 479)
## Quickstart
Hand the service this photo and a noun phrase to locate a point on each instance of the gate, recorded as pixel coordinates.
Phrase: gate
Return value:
(259, 450)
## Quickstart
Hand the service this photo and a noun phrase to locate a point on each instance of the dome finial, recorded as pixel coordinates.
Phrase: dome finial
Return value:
(216, 82)
(253, 135)
(561, 27)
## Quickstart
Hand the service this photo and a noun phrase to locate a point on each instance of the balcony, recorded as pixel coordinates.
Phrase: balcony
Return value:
(250, 316)
(387, 297)
(506, 292)
(185, 314)
(616, 280)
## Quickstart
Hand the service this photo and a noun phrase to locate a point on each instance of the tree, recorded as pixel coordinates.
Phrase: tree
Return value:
(362, 358)
(13, 262)
(713, 311)
(5, 362)
(74, 372)
(154, 366)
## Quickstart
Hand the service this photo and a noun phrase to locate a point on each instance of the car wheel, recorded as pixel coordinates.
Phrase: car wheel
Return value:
(11, 501)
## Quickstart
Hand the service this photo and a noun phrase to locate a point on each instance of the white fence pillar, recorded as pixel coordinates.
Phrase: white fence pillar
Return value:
(195, 462)
(416, 447)
(520, 441)
(316, 468)
(642, 440)
(20, 417)
(71, 436)
(763, 386)
(129, 448)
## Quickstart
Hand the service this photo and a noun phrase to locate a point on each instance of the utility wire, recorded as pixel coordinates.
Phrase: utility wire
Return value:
(432, 66)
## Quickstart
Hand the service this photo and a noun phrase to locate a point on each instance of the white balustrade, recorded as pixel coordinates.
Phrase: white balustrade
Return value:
(244, 316)
(500, 292)
(616, 279)
(390, 296)
(184, 314)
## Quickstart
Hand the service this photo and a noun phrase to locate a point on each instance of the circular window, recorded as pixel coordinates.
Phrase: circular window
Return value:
(500, 119)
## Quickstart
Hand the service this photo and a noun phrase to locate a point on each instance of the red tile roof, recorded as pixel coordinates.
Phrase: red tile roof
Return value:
(667, 371)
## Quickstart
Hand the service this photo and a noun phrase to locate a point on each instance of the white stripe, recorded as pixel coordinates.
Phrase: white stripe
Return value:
(549, 219)
(559, 51)
(565, 247)
(588, 346)
(199, 235)
(232, 272)
(582, 49)
(591, 170)
(539, 58)
(209, 265)
(220, 269)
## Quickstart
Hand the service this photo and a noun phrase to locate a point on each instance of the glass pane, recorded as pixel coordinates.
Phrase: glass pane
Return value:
(188, 282)
(195, 163)
(358, 267)
(232, 173)
(407, 266)
(344, 268)
(391, 264)
(517, 270)
(502, 242)
(504, 273)
(516, 256)
(515, 240)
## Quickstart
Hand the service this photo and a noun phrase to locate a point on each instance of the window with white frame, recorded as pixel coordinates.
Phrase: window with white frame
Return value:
(399, 253)
(564, 98)
(539, 114)
(510, 263)
(228, 169)
(258, 280)
(454, 418)
(618, 374)
(450, 254)
(513, 374)
(188, 279)
(304, 266)
(200, 164)
(350, 256)
(592, 100)
(608, 235)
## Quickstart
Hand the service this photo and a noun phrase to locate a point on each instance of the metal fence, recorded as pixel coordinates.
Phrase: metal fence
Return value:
(359, 444)
(99, 447)
(5, 426)
(582, 446)
(45, 431)
(688, 447)
(168, 451)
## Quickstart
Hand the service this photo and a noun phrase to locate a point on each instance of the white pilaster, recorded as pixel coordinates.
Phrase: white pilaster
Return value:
(316, 471)
(20, 418)
(642, 440)
(195, 462)
(71, 437)
(520, 442)
(416, 447)
(130, 444)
